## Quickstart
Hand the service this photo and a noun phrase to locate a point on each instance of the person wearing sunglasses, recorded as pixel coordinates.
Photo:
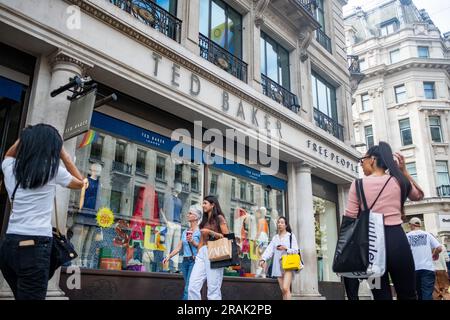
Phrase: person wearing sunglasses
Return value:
(383, 168)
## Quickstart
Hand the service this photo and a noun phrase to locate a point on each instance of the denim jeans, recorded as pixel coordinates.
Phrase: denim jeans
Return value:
(425, 284)
(186, 269)
(26, 267)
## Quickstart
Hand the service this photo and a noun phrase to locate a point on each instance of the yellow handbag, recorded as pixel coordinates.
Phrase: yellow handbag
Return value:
(291, 261)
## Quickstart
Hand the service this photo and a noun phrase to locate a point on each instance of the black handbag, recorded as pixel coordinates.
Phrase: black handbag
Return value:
(234, 261)
(352, 248)
(62, 250)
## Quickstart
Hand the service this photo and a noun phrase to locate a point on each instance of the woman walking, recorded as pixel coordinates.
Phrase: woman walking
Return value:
(190, 240)
(284, 242)
(382, 171)
(213, 226)
(31, 171)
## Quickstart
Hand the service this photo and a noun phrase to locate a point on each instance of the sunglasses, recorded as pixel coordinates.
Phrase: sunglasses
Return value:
(361, 160)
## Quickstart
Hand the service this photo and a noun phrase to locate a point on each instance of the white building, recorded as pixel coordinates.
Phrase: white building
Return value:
(232, 64)
(404, 98)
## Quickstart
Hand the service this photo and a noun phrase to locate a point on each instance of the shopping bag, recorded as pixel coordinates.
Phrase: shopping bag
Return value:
(293, 261)
(361, 250)
(234, 261)
(220, 249)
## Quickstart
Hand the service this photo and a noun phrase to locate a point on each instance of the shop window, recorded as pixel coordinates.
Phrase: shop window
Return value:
(253, 224)
(138, 238)
(326, 238)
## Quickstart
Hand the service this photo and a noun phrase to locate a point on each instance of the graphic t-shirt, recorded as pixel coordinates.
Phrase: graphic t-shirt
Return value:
(422, 243)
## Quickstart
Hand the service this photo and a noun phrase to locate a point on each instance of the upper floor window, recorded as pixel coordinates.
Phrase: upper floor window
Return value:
(395, 55)
(443, 178)
(120, 152)
(320, 13)
(429, 90)
(423, 52)
(400, 93)
(97, 148)
(388, 27)
(243, 191)
(365, 101)
(213, 184)
(168, 5)
(274, 61)
(324, 96)
(179, 173)
(194, 179)
(362, 64)
(222, 24)
(368, 132)
(160, 168)
(435, 128)
(140, 160)
(405, 132)
(411, 167)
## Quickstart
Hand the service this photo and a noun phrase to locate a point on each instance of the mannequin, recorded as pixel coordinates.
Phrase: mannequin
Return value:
(88, 197)
(262, 237)
(273, 223)
(171, 215)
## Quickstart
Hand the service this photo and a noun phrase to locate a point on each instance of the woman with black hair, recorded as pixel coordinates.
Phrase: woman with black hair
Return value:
(213, 226)
(383, 169)
(284, 242)
(31, 171)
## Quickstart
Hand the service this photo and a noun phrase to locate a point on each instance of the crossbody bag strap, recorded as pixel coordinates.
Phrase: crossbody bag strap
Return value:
(14, 195)
(290, 241)
(360, 194)
(56, 214)
(376, 199)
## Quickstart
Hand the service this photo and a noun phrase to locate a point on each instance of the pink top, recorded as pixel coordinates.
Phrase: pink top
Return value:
(389, 202)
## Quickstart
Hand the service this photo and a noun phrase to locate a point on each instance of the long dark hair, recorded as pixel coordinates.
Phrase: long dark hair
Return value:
(38, 154)
(385, 159)
(286, 222)
(216, 212)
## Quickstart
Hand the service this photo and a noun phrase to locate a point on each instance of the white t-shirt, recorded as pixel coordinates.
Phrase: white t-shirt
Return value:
(422, 243)
(32, 208)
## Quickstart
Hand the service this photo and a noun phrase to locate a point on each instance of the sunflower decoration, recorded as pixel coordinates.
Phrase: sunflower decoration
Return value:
(105, 217)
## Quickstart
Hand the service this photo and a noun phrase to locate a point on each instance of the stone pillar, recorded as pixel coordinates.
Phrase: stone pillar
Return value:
(55, 112)
(191, 25)
(306, 282)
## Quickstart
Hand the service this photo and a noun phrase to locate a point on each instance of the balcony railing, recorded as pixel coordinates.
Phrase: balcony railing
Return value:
(443, 191)
(328, 124)
(353, 64)
(153, 15)
(323, 39)
(120, 167)
(309, 5)
(281, 95)
(214, 53)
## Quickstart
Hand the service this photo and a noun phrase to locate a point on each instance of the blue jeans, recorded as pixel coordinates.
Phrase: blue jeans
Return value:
(25, 266)
(425, 284)
(186, 269)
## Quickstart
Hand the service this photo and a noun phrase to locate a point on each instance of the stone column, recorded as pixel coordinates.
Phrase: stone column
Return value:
(191, 25)
(306, 282)
(54, 112)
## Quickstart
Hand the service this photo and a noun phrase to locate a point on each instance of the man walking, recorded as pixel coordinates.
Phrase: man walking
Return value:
(425, 248)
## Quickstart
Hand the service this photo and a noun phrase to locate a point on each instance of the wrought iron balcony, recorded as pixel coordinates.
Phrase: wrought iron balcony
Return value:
(153, 15)
(443, 191)
(309, 5)
(214, 53)
(328, 124)
(281, 95)
(124, 168)
(323, 39)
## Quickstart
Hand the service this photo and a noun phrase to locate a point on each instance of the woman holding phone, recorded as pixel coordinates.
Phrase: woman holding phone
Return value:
(189, 243)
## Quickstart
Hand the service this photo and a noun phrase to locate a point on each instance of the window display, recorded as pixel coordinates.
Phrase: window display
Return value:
(146, 193)
(326, 238)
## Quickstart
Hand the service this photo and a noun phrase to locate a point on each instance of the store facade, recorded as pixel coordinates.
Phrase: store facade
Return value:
(144, 188)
